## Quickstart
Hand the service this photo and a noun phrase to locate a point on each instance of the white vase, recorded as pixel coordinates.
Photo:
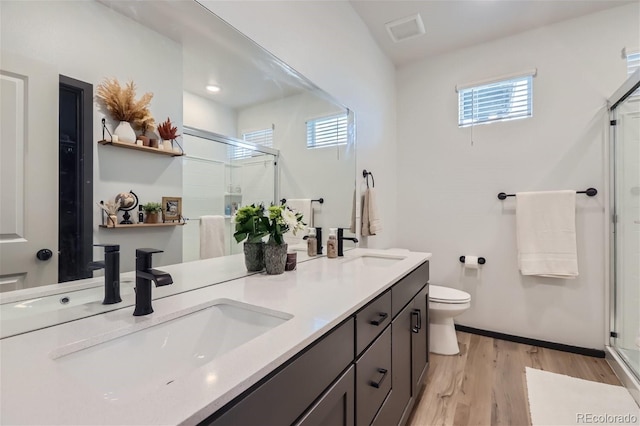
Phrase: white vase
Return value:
(125, 132)
(167, 145)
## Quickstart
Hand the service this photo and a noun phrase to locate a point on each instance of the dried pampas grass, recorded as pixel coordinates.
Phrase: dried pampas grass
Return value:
(122, 105)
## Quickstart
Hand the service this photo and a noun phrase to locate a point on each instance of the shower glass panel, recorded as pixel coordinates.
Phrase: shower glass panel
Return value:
(626, 228)
(216, 180)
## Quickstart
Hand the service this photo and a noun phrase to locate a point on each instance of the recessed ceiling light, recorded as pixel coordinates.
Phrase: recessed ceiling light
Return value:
(213, 89)
(405, 28)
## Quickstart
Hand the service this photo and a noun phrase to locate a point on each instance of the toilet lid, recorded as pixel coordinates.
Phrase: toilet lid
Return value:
(447, 295)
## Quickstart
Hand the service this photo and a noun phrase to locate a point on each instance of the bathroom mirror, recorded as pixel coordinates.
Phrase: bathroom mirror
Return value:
(174, 50)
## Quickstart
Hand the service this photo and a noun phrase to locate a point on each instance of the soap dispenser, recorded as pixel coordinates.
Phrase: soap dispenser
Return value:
(332, 244)
(312, 243)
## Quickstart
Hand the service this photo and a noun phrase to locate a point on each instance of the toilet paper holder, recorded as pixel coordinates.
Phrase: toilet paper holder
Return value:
(481, 260)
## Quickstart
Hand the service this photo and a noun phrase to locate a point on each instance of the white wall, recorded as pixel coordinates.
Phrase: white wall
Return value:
(205, 114)
(450, 184)
(89, 42)
(328, 43)
(307, 173)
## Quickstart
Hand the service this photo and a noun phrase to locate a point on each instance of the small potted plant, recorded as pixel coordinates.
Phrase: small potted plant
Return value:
(281, 220)
(167, 133)
(152, 212)
(251, 225)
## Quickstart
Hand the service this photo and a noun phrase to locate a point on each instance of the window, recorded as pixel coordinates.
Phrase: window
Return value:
(262, 137)
(327, 131)
(496, 101)
(633, 62)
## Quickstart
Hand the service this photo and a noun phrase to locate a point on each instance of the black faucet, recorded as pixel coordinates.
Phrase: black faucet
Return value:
(144, 275)
(341, 238)
(111, 265)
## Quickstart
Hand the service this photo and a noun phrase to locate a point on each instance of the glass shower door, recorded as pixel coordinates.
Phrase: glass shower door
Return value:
(626, 337)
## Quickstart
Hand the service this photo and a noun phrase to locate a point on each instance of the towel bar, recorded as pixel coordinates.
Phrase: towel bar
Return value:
(590, 192)
(319, 200)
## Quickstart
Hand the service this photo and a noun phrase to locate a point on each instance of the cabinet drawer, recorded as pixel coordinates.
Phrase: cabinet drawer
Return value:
(288, 393)
(373, 378)
(371, 320)
(405, 289)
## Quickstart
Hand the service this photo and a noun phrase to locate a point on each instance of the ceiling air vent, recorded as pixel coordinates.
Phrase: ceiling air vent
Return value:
(405, 28)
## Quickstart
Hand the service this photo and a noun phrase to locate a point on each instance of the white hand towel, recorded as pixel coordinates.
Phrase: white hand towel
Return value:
(371, 223)
(365, 231)
(211, 236)
(546, 233)
(300, 205)
(375, 224)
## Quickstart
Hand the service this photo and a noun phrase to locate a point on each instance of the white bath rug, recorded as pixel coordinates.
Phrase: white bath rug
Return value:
(556, 399)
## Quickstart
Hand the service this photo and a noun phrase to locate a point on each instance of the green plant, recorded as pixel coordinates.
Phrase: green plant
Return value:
(152, 208)
(251, 224)
(281, 220)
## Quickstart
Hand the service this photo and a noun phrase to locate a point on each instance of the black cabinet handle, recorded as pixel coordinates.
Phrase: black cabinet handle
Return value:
(381, 317)
(377, 384)
(418, 324)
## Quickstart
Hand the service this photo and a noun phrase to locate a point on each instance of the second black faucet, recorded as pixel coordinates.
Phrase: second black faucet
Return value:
(144, 276)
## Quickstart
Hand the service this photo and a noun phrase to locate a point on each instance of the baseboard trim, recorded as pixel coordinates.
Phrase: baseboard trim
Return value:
(596, 353)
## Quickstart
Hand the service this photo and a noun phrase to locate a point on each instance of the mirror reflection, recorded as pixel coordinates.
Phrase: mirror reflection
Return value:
(266, 134)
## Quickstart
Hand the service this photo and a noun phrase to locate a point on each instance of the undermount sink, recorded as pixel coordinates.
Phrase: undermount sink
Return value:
(55, 302)
(375, 261)
(139, 361)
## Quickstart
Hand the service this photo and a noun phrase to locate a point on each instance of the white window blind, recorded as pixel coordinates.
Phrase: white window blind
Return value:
(327, 131)
(633, 62)
(262, 137)
(498, 101)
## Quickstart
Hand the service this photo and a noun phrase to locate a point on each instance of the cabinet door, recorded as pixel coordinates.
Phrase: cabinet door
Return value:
(336, 406)
(419, 337)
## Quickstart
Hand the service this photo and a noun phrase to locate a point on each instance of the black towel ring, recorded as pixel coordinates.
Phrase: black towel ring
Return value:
(366, 174)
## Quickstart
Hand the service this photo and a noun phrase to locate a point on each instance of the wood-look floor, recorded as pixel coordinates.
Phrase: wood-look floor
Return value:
(485, 383)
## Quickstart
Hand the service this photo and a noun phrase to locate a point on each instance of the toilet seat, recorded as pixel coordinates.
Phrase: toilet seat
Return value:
(448, 295)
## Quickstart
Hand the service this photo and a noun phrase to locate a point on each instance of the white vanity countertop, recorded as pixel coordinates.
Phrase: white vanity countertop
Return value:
(320, 294)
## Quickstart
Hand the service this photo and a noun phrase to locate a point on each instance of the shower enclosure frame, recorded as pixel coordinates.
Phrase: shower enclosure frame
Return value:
(629, 377)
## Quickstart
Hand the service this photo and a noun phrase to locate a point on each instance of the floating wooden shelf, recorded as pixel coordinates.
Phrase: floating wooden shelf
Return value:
(143, 225)
(141, 148)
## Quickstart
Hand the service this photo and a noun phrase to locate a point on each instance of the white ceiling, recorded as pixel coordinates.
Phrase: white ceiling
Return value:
(455, 24)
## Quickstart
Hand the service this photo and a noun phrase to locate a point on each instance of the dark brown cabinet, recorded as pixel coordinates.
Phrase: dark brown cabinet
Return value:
(419, 338)
(336, 405)
(286, 395)
(368, 370)
(410, 352)
(373, 378)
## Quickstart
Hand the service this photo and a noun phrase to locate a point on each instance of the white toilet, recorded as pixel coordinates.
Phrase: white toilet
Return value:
(444, 304)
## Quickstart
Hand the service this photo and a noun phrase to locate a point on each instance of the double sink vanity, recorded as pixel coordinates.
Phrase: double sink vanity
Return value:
(337, 341)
